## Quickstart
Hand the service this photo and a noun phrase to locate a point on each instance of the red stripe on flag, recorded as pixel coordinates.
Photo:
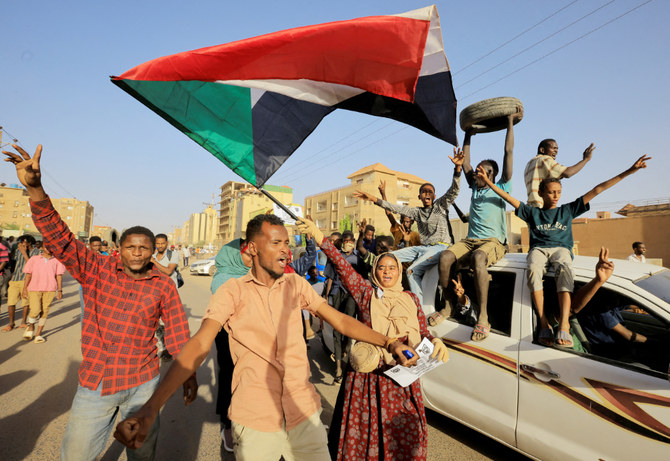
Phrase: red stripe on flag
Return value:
(379, 54)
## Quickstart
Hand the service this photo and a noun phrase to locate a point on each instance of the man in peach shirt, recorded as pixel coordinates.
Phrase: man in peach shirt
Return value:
(274, 408)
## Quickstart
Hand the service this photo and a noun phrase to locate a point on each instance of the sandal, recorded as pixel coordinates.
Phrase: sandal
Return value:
(546, 337)
(39, 340)
(562, 335)
(28, 335)
(435, 319)
(483, 330)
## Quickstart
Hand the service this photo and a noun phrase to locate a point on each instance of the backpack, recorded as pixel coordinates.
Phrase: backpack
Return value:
(180, 279)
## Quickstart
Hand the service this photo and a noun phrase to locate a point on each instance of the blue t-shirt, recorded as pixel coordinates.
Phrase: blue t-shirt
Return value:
(487, 213)
(598, 325)
(331, 273)
(552, 228)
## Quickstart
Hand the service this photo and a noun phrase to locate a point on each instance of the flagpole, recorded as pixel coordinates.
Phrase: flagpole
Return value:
(279, 204)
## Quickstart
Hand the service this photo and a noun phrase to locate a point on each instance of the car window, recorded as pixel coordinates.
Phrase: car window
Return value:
(657, 284)
(607, 324)
(500, 301)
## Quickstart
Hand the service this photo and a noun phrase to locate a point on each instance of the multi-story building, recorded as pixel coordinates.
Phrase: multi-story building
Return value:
(202, 228)
(240, 202)
(332, 208)
(16, 217)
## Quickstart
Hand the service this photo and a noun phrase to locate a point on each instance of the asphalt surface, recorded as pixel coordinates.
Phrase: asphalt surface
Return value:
(38, 383)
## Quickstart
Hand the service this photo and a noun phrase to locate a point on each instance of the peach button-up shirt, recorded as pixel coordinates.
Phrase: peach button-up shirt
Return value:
(271, 387)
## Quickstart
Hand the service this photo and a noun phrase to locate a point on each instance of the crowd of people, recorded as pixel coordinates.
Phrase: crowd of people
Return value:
(258, 314)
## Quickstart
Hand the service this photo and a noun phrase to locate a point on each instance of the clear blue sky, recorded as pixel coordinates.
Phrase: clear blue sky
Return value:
(101, 145)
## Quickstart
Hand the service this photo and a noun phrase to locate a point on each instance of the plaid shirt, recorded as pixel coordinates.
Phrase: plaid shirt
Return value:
(121, 314)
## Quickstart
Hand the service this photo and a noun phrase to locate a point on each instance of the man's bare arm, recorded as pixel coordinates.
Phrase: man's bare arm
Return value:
(481, 173)
(352, 328)
(167, 270)
(508, 159)
(603, 186)
(467, 165)
(604, 269)
(577, 167)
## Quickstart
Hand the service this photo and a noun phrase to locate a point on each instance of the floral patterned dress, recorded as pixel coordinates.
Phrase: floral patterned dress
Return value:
(375, 418)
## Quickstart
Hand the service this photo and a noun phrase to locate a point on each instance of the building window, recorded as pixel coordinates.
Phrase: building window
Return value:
(403, 184)
(321, 223)
(333, 206)
(16, 203)
(350, 200)
(321, 206)
(333, 225)
(15, 214)
(403, 203)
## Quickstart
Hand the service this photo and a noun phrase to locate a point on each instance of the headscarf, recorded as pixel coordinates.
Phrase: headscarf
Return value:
(229, 264)
(393, 312)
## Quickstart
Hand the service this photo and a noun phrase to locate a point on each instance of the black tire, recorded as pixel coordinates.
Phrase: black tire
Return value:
(490, 114)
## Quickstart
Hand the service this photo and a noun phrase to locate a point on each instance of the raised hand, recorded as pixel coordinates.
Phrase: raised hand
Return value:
(459, 291)
(306, 226)
(516, 115)
(27, 169)
(604, 267)
(480, 173)
(382, 189)
(589, 151)
(640, 163)
(361, 226)
(458, 157)
(364, 195)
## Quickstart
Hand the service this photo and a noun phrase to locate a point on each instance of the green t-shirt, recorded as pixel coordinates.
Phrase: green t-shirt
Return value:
(552, 228)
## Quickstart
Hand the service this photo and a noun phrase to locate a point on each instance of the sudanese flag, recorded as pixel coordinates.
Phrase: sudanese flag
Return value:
(251, 103)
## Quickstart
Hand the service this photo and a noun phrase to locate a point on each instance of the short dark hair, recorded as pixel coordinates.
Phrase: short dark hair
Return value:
(137, 230)
(424, 185)
(544, 144)
(545, 182)
(369, 227)
(161, 236)
(255, 224)
(493, 164)
(637, 244)
(95, 238)
(336, 234)
(27, 238)
(347, 234)
(390, 241)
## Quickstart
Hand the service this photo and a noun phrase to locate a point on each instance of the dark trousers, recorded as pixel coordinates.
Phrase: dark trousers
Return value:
(343, 302)
(224, 378)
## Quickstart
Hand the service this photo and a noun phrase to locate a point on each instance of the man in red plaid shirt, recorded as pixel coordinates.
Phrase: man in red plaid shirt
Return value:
(124, 298)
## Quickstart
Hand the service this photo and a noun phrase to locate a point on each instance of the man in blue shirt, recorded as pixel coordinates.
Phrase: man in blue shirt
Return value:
(550, 229)
(487, 234)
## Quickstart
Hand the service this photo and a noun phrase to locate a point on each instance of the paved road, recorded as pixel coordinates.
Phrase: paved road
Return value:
(38, 382)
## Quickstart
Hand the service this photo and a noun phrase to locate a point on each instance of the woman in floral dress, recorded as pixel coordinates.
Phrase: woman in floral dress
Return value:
(375, 418)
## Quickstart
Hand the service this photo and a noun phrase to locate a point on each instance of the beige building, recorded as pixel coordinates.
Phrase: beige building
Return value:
(338, 206)
(16, 217)
(202, 228)
(240, 202)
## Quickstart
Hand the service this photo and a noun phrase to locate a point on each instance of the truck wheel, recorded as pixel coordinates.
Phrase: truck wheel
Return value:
(490, 114)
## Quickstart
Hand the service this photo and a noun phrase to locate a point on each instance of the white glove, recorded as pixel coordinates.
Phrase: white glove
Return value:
(305, 226)
(440, 351)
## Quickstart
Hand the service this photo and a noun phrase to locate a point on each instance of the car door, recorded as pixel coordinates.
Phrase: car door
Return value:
(479, 384)
(580, 406)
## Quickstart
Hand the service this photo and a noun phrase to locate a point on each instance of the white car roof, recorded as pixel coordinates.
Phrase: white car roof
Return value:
(622, 268)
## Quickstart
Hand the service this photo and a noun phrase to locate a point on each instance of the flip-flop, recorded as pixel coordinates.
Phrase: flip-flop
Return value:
(28, 335)
(39, 340)
(481, 329)
(546, 337)
(563, 335)
(435, 319)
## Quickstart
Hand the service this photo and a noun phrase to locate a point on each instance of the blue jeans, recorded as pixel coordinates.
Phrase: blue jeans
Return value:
(422, 257)
(93, 417)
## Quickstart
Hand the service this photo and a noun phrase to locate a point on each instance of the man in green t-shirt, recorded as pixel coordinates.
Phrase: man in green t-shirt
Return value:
(550, 229)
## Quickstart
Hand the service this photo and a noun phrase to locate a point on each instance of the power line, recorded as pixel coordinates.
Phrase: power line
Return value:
(516, 36)
(558, 49)
(534, 44)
